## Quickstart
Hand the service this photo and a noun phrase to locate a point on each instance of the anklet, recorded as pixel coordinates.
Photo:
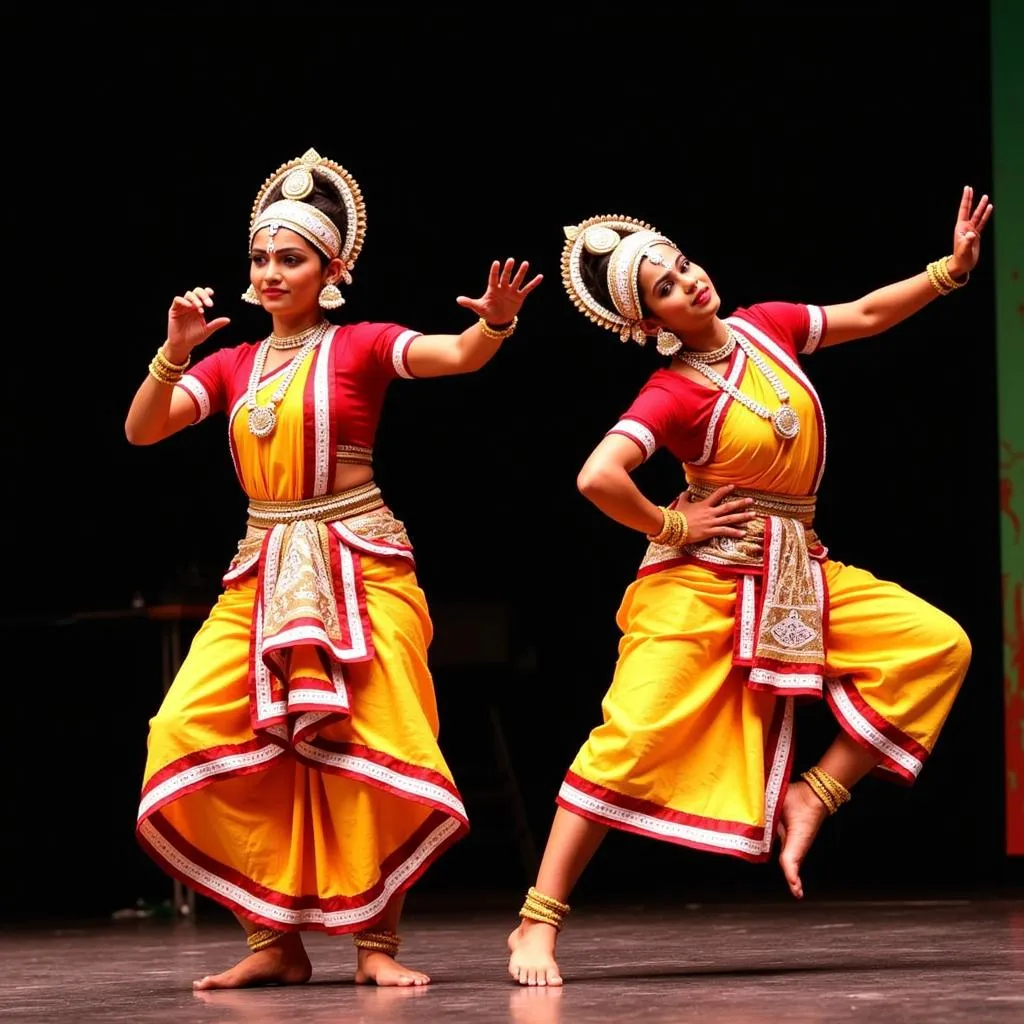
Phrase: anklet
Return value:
(545, 909)
(827, 788)
(381, 942)
(262, 937)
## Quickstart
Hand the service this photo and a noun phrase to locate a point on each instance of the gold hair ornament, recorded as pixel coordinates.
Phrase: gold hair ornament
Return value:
(627, 241)
(312, 224)
(297, 178)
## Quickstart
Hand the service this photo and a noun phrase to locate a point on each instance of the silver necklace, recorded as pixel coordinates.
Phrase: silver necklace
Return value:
(784, 420)
(263, 418)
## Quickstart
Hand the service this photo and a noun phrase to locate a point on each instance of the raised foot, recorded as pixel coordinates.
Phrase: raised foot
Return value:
(532, 959)
(283, 963)
(802, 815)
(376, 968)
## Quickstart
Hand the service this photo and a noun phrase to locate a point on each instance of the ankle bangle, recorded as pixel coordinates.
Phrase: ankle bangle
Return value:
(263, 937)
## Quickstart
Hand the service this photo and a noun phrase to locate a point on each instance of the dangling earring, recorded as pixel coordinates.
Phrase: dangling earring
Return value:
(330, 297)
(668, 344)
(250, 296)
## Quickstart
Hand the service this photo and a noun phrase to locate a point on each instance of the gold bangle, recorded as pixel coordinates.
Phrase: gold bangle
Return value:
(820, 792)
(544, 909)
(497, 333)
(548, 901)
(262, 937)
(933, 277)
(839, 792)
(157, 371)
(674, 531)
(827, 788)
(941, 279)
(685, 530)
(947, 278)
(168, 365)
(380, 942)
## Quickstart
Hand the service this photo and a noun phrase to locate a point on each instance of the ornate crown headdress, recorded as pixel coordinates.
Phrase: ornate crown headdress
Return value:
(297, 179)
(629, 241)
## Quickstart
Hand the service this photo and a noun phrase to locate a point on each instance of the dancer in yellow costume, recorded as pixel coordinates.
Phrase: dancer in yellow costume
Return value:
(737, 608)
(294, 773)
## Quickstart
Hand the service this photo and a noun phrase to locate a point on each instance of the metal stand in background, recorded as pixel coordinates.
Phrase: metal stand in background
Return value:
(170, 618)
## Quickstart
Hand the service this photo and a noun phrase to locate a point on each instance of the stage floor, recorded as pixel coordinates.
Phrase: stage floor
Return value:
(877, 962)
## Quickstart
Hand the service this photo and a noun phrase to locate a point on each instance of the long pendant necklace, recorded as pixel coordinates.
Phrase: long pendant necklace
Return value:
(263, 418)
(784, 420)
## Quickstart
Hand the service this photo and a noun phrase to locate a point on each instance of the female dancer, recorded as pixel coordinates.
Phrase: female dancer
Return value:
(293, 769)
(737, 608)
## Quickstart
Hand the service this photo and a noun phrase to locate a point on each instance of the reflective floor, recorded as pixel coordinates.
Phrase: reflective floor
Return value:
(934, 961)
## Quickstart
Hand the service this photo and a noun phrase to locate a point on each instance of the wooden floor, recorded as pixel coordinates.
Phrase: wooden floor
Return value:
(935, 961)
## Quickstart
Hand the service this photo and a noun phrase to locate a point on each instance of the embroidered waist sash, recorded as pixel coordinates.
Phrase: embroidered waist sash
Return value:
(309, 615)
(782, 598)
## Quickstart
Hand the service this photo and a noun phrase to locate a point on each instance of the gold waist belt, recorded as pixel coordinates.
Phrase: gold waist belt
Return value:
(353, 502)
(766, 503)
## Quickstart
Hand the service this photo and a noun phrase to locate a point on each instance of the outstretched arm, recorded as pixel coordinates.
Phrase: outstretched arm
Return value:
(883, 308)
(439, 355)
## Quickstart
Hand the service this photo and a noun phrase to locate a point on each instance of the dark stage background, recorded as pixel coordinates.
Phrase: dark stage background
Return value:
(798, 154)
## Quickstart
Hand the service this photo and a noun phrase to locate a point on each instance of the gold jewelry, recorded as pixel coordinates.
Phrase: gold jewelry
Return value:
(936, 281)
(716, 355)
(330, 297)
(157, 372)
(380, 941)
(312, 224)
(263, 937)
(168, 365)
(263, 418)
(297, 178)
(628, 241)
(545, 909)
(827, 788)
(668, 344)
(282, 342)
(161, 368)
(497, 333)
(250, 296)
(941, 279)
(353, 454)
(674, 530)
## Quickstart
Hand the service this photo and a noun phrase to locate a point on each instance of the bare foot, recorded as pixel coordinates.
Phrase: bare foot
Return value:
(532, 962)
(380, 969)
(802, 815)
(282, 963)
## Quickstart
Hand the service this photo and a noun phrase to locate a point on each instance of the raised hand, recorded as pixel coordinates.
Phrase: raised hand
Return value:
(967, 233)
(187, 325)
(505, 293)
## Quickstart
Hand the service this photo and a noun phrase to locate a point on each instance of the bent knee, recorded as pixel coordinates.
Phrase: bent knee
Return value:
(950, 641)
(960, 646)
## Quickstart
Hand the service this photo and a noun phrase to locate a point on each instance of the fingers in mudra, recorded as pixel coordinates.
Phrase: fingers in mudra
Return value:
(514, 282)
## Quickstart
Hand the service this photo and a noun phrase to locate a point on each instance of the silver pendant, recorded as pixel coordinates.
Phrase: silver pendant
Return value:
(786, 423)
(262, 420)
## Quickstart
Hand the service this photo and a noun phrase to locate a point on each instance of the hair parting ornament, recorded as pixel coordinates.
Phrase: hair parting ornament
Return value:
(628, 242)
